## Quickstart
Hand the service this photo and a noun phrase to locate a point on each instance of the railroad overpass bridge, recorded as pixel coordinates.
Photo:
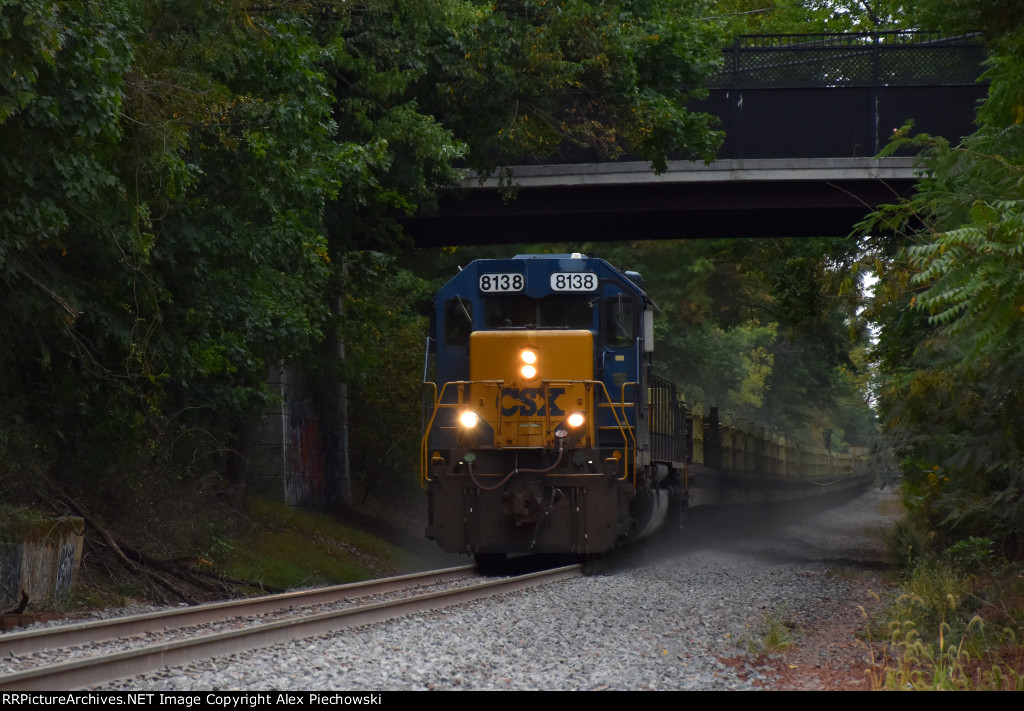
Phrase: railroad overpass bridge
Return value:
(804, 116)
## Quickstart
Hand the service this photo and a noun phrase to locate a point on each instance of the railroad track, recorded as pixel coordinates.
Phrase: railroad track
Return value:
(250, 634)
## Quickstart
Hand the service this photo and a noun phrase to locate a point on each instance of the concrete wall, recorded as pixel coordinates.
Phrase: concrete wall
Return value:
(300, 451)
(40, 559)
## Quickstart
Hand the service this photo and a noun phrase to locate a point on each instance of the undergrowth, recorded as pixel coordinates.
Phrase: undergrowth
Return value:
(957, 623)
(271, 546)
(285, 547)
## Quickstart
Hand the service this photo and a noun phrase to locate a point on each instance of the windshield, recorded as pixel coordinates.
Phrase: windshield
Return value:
(552, 312)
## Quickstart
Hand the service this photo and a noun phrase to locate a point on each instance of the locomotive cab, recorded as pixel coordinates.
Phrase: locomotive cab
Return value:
(538, 436)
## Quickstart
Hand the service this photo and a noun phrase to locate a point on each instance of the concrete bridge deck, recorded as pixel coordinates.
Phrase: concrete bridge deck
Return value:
(733, 170)
(790, 197)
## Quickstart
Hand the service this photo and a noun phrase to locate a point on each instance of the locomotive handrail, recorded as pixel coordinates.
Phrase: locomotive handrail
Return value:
(425, 442)
(433, 406)
(460, 385)
(636, 420)
(623, 430)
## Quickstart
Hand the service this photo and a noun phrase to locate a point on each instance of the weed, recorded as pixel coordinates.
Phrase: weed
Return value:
(907, 542)
(842, 572)
(774, 635)
(933, 638)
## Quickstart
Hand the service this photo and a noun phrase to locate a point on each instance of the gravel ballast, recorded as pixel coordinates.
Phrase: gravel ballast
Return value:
(665, 624)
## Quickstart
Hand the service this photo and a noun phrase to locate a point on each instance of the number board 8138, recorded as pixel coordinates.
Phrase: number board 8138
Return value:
(501, 282)
(574, 281)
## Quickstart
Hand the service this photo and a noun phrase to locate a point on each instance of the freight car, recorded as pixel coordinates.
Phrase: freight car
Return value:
(548, 432)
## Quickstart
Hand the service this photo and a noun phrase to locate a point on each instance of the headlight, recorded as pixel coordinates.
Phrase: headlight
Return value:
(570, 431)
(529, 358)
(469, 419)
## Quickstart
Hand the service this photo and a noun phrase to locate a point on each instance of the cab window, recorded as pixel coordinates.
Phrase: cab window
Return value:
(458, 322)
(619, 320)
(566, 313)
(552, 312)
(509, 313)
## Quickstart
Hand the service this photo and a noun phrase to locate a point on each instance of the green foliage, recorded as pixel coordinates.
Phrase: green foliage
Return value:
(65, 225)
(758, 328)
(997, 19)
(527, 78)
(192, 189)
(160, 237)
(385, 312)
(240, 264)
(15, 520)
(971, 553)
(908, 542)
(380, 59)
(950, 303)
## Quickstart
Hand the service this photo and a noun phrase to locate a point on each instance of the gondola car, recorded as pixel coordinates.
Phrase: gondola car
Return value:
(547, 432)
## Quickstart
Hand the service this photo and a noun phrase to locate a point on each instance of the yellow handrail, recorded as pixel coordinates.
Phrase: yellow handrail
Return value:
(425, 442)
(636, 419)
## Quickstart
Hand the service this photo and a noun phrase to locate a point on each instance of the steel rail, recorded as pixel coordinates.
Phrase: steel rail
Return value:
(96, 670)
(30, 642)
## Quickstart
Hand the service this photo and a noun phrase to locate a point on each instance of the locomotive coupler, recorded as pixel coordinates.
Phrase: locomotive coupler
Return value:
(523, 504)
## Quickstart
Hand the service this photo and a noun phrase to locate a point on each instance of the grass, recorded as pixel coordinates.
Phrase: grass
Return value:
(774, 635)
(946, 659)
(957, 625)
(287, 547)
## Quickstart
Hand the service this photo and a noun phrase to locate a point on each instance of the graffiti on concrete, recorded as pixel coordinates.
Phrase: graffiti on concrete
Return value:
(313, 460)
(10, 574)
(65, 571)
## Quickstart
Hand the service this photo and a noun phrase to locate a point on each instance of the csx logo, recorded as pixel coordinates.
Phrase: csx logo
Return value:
(530, 401)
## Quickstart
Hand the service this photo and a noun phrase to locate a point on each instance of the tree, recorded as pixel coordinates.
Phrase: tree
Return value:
(167, 166)
(185, 182)
(65, 225)
(531, 78)
(950, 305)
(813, 16)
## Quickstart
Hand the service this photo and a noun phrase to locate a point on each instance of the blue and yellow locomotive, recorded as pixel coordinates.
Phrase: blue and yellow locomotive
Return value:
(547, 430)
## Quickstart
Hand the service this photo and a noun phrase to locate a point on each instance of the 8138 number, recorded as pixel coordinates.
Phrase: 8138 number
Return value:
(501, 282)
(574, 281)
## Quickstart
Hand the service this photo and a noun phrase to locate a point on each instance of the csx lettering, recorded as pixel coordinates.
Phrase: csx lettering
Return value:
(530, 401)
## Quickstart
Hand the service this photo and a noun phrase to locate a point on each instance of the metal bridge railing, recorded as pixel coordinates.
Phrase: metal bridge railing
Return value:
(896, 58)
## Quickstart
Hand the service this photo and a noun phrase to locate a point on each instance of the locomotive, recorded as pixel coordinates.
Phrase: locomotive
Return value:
(547, 431)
